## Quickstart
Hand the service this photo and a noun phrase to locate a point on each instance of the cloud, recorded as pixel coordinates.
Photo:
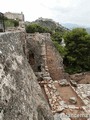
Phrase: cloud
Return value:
(75, 11)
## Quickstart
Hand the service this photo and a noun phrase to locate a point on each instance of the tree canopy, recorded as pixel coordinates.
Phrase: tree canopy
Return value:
(11, 22)
(32, 28)
(77, 57)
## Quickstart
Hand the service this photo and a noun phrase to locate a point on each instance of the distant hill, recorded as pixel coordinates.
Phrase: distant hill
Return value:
(71, 25)
(49, 23)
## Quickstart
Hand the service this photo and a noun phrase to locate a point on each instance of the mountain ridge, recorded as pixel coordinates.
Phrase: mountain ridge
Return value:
(72, 26)
(49, 23)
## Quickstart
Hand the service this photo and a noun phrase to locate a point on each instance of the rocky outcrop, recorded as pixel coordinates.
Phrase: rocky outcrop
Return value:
(21, 97)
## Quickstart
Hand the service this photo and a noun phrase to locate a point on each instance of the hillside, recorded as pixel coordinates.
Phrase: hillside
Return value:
(48, 23)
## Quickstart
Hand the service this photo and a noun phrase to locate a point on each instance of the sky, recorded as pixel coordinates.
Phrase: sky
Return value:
(62, 11)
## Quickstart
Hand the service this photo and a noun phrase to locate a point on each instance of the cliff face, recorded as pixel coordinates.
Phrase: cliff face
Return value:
(21, 97)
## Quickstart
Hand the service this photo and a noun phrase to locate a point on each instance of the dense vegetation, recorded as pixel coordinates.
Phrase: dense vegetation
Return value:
(77, 57)
(57, 40)
(32, 28)
(11, 22)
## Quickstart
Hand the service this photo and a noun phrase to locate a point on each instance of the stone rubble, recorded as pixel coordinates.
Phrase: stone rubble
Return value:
(83, 90)
(63, 103)
(58, 105)
(53, 97)
(61, 116)
(73, 100)
(64, 82)
(73, 83)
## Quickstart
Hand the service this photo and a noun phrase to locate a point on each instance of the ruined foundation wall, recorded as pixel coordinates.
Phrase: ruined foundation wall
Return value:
(45, 55)
(54, 60)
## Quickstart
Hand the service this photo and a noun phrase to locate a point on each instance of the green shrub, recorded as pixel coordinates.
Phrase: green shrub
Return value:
(77, 58)
(61, 49)
(32, 28)
(11, 23)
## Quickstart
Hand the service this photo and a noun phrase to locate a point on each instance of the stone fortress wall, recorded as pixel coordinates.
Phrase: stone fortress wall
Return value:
(21, 97)
(18, 16)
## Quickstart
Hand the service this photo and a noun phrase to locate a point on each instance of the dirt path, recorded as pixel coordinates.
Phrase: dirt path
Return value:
(67, 92)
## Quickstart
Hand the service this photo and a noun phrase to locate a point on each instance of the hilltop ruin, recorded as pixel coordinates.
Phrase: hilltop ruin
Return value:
(33, 84)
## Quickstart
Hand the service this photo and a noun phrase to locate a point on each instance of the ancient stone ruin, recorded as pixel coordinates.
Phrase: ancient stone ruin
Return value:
(59, 89)
(33, 84)
(16, 16)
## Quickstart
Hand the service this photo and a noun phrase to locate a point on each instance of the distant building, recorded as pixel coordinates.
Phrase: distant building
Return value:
(15, 16)
(44, 19)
